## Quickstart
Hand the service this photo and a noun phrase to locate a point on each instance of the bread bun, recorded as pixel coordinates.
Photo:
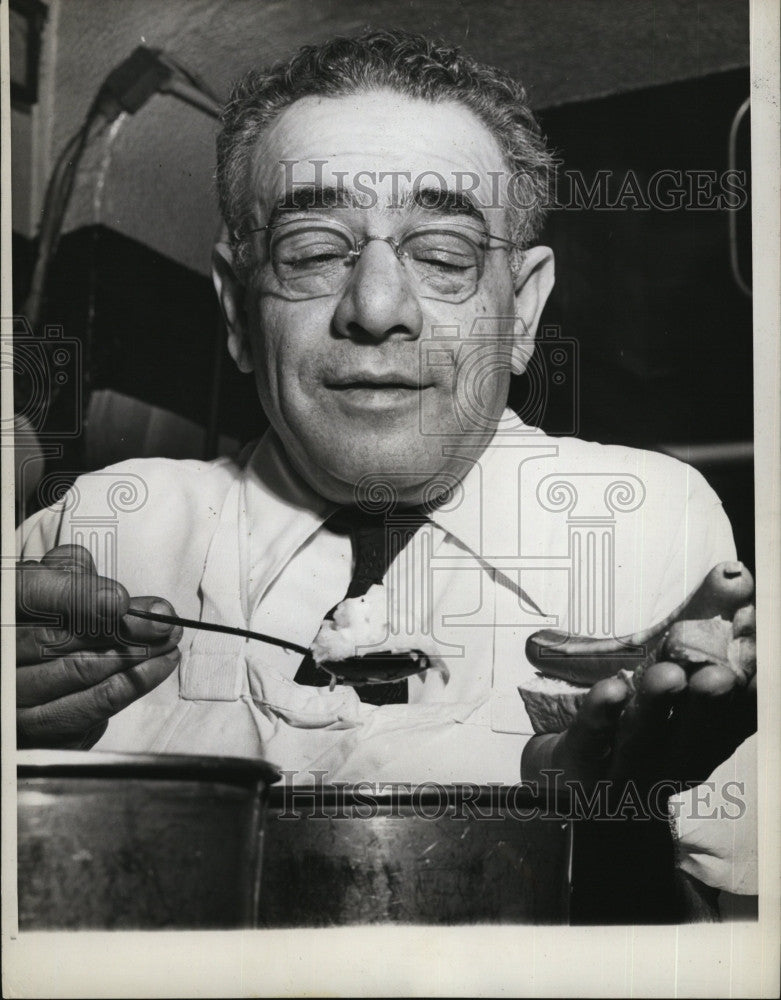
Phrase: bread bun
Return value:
(551, 703)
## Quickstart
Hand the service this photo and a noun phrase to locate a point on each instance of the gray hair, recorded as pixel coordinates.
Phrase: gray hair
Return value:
(408, 64)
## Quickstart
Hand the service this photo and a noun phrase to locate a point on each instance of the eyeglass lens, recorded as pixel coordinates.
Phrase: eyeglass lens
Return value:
(311, 259)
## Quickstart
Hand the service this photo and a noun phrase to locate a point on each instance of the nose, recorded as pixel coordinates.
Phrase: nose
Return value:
(378, 301)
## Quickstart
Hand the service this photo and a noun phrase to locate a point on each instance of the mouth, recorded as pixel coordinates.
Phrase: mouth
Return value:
(386, 391)
(371, 381)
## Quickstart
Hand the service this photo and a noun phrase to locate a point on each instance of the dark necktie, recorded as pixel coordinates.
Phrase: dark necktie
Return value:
(374, 549)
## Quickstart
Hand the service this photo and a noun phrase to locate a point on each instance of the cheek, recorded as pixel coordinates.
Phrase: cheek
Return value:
(286, 344)
(276, 342)
(264, 355)
(485, 355)
(482, 382)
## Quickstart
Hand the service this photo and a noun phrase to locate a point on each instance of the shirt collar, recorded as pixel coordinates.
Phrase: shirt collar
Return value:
(272, 481)
(278, 513)
(483, 491)
(290, 511)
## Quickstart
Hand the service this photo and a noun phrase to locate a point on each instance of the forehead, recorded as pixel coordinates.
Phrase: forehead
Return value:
(382, 141)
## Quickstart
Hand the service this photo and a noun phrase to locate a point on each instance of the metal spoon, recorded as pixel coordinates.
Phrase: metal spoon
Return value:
(153, 616)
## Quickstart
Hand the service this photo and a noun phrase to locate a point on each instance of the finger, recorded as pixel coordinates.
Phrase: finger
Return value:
(745, 622)
(742, 658)
(65, 597)
(43, 645)
(72, 717)
(82, 741)
(38, 643)
(645, 730)
(66, 558)
(712, 683)
(591, 736)
(660, 688)
(710, 704)
(713, 720)
(70, 557)
(35, 644)
(41, 683)
(91, 738)
(660, 685)
(139, 630)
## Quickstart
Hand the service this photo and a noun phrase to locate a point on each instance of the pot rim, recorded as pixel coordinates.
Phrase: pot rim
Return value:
(103, 764)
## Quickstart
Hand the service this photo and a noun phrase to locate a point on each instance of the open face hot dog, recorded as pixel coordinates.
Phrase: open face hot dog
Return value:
(715, 625)
(582, 660)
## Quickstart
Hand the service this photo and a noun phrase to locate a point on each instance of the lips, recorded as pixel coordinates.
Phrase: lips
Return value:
(373, 380)
(362, 393)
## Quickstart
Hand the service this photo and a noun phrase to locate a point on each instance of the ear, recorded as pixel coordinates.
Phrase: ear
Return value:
(230, 292)
(533, 284)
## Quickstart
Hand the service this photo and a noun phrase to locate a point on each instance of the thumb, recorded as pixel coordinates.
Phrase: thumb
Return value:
(592, 735)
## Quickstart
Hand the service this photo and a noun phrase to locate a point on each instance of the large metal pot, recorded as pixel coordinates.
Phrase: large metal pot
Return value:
(133, 841)
(433, 855)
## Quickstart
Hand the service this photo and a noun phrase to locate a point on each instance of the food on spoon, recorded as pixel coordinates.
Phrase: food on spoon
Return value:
(362, 623)
(714, 626)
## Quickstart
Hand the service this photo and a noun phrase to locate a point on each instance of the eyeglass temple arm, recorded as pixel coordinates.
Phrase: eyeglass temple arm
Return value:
(259, 229)
(503, 239)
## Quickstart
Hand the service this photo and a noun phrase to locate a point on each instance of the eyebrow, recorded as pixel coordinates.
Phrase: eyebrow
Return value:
(314, 197)
(445, 202)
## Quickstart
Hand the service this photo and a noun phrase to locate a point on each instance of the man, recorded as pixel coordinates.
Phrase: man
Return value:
(383, 195)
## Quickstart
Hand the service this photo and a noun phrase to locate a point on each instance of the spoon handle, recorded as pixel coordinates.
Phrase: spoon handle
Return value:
(153, 616)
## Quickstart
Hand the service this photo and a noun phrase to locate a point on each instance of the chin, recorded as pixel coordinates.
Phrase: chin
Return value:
(380, 482)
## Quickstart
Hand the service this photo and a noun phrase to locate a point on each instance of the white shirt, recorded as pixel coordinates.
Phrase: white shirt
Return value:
(600, 539)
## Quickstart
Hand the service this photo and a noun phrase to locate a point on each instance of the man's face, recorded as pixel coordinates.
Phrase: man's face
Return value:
(382, 376)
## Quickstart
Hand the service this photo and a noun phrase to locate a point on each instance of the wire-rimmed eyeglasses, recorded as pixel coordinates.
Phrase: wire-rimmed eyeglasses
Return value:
(316, 257)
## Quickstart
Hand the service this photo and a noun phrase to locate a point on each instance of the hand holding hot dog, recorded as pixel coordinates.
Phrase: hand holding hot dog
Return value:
(684, 711)
(89, 661)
